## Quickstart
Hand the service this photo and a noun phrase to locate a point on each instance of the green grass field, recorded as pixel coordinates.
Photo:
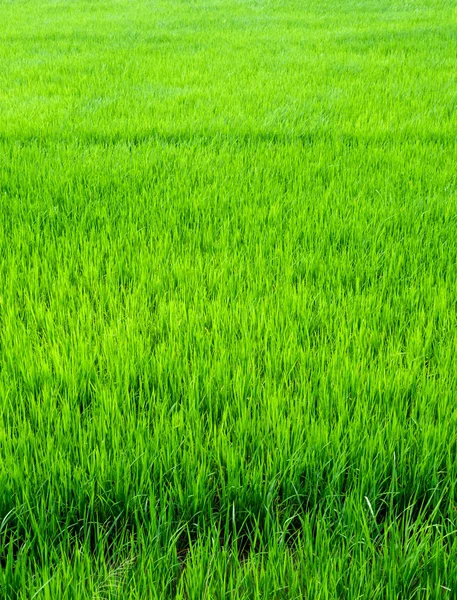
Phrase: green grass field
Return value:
(228, 299)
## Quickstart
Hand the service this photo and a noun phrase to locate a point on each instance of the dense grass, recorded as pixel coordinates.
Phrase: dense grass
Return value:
(228, 299)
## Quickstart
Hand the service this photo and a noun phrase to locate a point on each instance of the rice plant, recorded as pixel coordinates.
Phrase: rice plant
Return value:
(228, 299)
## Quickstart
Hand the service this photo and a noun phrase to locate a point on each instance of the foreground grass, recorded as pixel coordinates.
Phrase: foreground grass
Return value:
(228, 300)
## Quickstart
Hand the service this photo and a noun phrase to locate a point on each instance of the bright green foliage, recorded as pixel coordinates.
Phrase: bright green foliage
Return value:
(228, 299)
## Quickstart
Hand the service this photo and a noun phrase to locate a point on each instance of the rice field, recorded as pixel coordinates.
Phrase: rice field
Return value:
(228, 299)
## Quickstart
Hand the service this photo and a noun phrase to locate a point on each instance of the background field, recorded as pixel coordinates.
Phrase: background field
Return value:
(228, 299)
